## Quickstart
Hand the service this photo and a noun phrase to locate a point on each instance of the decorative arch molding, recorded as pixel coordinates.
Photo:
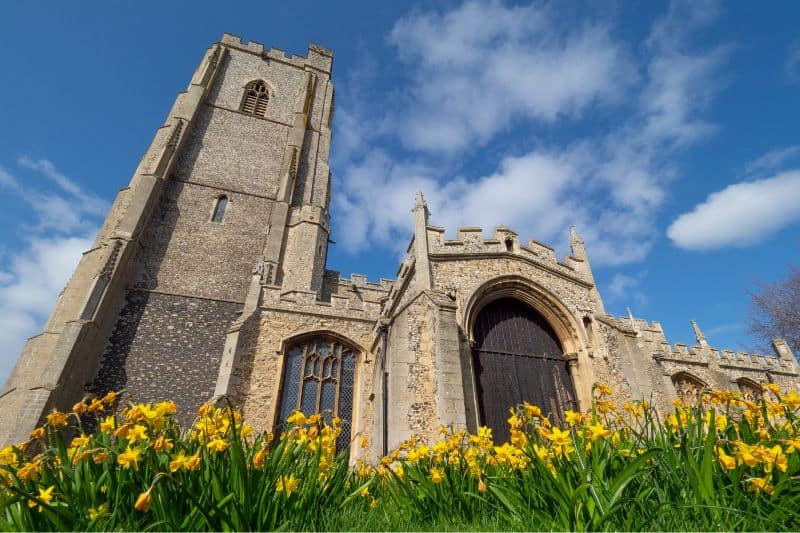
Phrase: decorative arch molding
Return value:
(750, 390)
(255, 79)
(309, 334)
(533, 295)
(688, 387)
(554, 311)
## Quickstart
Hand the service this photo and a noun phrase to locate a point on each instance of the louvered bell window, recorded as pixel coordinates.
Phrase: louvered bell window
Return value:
(256, 97)
(319, 377)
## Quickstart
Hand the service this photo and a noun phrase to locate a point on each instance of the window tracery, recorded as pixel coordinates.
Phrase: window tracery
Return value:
(319, 377)
(688, 387)
(751, 391)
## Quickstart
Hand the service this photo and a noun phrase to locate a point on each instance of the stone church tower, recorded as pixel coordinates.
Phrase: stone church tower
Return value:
(208, 278)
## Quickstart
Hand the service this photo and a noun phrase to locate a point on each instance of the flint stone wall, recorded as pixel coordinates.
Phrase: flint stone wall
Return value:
(166, 347)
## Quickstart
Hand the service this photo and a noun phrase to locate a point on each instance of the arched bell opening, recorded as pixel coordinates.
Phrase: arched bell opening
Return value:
(517, 357)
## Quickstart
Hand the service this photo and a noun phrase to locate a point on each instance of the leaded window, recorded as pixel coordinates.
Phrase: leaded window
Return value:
(256, 97)
(319, 377)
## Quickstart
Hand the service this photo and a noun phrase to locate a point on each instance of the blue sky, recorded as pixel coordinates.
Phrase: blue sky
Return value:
(665, 132)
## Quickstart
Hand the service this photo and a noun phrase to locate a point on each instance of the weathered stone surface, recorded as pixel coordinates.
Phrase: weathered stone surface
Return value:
(166, 347)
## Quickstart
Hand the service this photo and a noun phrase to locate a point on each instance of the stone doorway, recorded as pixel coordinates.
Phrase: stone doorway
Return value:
(517, 358)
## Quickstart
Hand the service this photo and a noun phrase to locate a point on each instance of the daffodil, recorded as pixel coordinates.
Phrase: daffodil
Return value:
(437, 475)
(760, 484)
(96, 406)
(29, 471)
(597, 432)
(81, 440)
(57, 419)
(726, 461)
(108, 424)
(297, 418)
(259, 457)
(97, 512)
(217, 445)
(129, 459)
(45, 495)
(8, 456)
(287, 484)
(178, 462)
(144, 501)
(162, 444)
(109, 398)
(603, 389)
(573, 418)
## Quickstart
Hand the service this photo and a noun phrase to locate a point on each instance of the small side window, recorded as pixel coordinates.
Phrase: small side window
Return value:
(219, 209)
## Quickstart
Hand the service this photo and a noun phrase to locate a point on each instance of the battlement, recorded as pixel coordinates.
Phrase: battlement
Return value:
(652, 335)
(633, 324)
(470, 240)
(355, 296)
(318, 57)
(360, 280)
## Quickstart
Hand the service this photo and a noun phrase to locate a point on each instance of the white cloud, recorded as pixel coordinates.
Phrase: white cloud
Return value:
(624, 287)
(89, 203)
(773, 160)
(740, 214)
(483, 66)
(32, 277)
(29, 289)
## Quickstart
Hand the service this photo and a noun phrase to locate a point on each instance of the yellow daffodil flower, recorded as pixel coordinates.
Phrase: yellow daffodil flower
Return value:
(287, 484)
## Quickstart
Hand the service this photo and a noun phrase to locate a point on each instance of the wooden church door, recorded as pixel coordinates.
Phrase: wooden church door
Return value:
(517, 358)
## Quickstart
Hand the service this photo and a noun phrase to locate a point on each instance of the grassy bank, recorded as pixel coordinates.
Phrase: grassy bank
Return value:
(723, 464)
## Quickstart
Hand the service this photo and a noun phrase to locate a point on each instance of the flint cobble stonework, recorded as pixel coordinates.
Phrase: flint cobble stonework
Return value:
(166, 347)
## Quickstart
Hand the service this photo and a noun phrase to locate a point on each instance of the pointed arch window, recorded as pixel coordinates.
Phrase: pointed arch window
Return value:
(751, 391)
(319, 377)
(689, 388)
(219, 209)
(256, 97)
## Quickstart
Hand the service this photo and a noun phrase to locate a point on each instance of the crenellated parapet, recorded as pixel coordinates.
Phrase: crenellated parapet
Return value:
(355, 297)
(651, 336)
(318, 57)
(470, 240)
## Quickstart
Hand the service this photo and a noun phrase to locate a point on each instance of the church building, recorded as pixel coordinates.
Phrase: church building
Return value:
(208, 278)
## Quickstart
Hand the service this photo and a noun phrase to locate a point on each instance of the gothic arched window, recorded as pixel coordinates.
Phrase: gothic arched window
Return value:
(689, 388)
(751, 391)
(319, 377)
(219, 209)
(256, 97)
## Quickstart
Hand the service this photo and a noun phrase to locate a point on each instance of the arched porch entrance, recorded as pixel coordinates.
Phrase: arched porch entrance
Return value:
(517, 357)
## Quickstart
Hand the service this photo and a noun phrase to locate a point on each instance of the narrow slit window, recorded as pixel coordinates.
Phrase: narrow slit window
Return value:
(219, 209)
(256, 97)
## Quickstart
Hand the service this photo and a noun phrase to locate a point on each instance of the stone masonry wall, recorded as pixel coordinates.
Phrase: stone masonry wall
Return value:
(234, 151)
(260, 373)
(462, 277)
(166, 347)
(186, 253)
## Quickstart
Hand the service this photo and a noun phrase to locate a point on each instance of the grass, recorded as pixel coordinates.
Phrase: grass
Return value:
(722, 464)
